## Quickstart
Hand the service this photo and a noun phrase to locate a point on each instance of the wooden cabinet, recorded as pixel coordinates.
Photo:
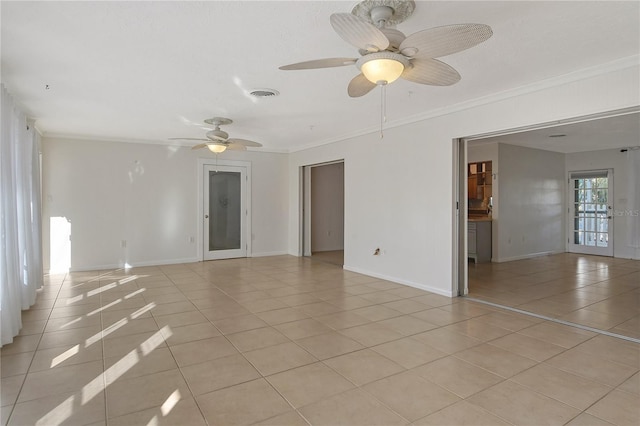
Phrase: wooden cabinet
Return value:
(479, 241)
(480, 179)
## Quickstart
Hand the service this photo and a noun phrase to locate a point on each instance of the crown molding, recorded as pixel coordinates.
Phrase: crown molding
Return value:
(583, 74)
(93, 138)
(613, 66)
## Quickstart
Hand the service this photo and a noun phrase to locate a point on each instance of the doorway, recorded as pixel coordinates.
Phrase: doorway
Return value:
(323, 208)
(555, 151)
(590, 212)
(579, 284)
(225, 211)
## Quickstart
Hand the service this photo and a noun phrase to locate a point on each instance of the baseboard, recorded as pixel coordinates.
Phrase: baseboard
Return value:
(269, 253)
(525, 256)
(131, 265)
(400, 281)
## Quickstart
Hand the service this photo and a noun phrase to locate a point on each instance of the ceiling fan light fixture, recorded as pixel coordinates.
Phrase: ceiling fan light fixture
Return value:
(382, 67)
(217, 148)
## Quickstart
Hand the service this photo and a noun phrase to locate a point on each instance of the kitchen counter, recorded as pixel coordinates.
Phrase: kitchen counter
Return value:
(479, 239)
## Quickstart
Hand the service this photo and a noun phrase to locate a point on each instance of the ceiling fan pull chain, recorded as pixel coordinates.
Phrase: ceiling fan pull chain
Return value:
(384, 102)
(381, 110)
(383, 107)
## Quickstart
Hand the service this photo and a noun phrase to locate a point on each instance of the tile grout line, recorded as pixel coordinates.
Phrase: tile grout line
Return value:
(318, 360)
(555, 320)
(193, 394)
(13, 406)
(182, 291)
(241, 353)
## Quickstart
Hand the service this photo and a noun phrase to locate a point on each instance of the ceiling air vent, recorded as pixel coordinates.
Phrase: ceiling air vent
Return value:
(263, 93)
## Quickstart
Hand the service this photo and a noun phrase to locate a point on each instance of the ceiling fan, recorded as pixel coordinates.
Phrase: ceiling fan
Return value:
(218, 140)
(387, 54)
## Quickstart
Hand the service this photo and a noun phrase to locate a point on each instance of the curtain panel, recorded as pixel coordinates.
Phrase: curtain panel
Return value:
(21, 273)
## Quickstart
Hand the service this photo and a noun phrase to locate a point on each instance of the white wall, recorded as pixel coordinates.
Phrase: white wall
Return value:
(532, 203)
(147, 195)
(399, 194)
(327, 207)
(623, 186)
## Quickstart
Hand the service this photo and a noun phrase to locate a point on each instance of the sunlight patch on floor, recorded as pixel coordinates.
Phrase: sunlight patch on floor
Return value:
(65, 356)
(64, 411)
(171, 402)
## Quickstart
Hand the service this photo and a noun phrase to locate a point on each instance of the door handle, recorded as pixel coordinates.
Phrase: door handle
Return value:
(206, 216)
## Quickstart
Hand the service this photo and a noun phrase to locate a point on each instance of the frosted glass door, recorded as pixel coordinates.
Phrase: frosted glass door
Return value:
(591, 213)
(225, 212)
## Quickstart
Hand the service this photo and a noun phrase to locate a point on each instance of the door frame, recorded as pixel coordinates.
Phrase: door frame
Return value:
(596, 251)
(306, 211)
(460, 219)
(304, 248)
(460, 284)
(202, 162)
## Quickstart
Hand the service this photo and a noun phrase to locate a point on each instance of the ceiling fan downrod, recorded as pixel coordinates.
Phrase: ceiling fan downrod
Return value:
(380, 15)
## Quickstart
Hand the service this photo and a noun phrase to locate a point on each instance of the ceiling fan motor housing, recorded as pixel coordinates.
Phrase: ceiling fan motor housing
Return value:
(217, 135)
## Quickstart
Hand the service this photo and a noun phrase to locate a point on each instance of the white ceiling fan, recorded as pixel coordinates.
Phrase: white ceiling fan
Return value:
(387, 54)
(218, 140)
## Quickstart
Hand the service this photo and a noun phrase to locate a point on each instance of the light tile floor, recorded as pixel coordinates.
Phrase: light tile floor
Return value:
(292, 341)
(594, 291)
(335, 257)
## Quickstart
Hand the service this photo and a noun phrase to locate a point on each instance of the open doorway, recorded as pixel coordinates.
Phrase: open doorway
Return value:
(323, 217)
(552, 191)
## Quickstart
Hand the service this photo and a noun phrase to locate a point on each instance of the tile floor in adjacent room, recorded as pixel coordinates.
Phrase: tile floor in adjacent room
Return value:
(594, 291)
(335, 257)
(291, 341)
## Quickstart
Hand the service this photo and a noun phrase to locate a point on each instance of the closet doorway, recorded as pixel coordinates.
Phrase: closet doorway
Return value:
(323, 212)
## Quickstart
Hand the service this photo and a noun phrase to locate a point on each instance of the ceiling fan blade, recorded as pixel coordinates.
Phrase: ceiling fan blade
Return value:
(188, 139)
(358, 32)
(443, 41)
(236, 147)
(320, 63)
(202, 145)
(244, 142)
(432, 72)
(359, 86)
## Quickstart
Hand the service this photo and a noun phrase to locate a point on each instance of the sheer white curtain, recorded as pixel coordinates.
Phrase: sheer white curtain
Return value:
(20, 218)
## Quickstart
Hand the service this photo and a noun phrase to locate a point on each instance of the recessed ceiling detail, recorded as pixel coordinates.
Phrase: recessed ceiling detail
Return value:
(400, 10)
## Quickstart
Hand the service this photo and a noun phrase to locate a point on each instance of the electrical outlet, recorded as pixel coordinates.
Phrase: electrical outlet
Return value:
(123, 243)
(377, 252)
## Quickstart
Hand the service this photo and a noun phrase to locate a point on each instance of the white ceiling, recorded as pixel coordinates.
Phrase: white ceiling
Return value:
(148, 71)
(617, 131)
